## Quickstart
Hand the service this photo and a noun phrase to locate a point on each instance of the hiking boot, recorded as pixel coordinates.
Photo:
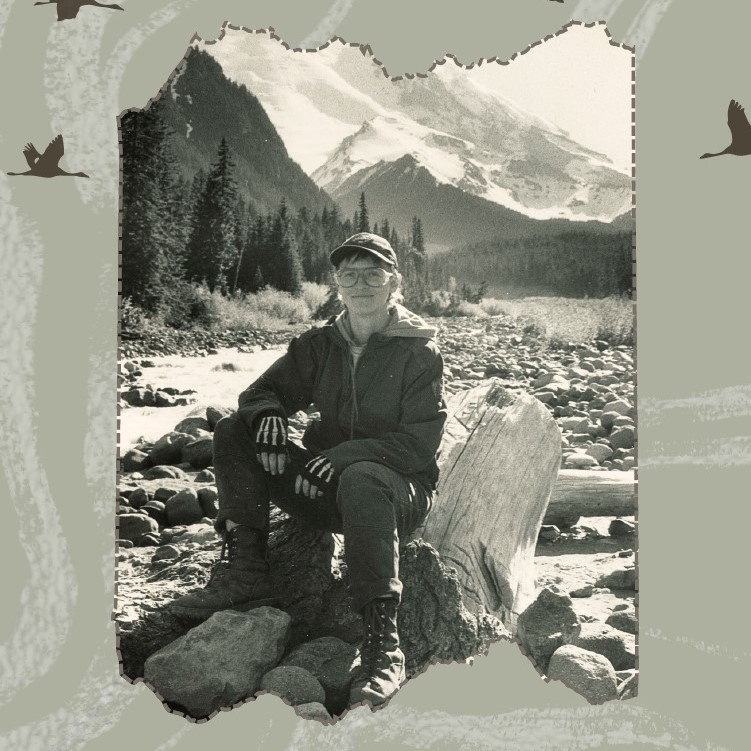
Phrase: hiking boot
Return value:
(381, 670)
(239, 579)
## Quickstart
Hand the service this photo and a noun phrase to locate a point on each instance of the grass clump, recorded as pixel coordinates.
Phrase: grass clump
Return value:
(559, 320)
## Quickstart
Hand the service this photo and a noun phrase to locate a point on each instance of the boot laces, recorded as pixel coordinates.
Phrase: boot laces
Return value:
(375, 617)
(229, 554)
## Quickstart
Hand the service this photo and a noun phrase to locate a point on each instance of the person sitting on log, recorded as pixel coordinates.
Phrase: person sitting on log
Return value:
(368, 467)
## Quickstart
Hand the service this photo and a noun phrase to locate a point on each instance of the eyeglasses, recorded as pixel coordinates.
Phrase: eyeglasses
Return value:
(373, 276)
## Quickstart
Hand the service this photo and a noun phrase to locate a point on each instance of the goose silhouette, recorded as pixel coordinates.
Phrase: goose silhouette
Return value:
(69, 8)
(740, 130)
(46, 165)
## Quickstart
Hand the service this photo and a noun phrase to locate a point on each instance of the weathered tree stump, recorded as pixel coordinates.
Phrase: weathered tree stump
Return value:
(499, 463)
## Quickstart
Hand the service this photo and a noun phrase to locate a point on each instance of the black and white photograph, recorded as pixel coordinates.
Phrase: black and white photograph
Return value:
(376, 373)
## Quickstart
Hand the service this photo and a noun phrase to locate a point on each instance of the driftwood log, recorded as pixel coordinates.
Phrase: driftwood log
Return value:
(580, 492)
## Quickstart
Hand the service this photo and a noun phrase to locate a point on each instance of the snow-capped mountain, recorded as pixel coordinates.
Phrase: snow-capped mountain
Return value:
(342, 120)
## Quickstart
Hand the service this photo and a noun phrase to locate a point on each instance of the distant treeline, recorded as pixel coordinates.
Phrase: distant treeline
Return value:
(570, 264)
(177, 233)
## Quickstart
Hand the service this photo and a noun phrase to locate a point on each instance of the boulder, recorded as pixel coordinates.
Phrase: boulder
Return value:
(184, 508)
(219, 662)
(548, 623)
(134, 526)
(200, 453)
(294, 684)
(616, 646)
(589, 674)
(205, 475)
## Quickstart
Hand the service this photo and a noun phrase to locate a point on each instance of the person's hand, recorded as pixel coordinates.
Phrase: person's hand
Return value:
(271, 443)
(315, 478)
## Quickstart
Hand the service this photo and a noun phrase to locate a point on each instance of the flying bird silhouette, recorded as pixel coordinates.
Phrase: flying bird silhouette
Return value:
(740, 130)
(46, 165)
(69, 8)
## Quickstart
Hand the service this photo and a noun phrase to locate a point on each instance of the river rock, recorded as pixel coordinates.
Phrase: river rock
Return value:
(607, 419)
(190, 424)
(208, 498)
(164, 471)
(629, 688)
(168, 449)
(621, 406)
(219, 662)
(622, 578)
(575, 424)
(624, 620)
(155, 509)
(165, 553)
(205, 475)
(581, 461)
(134, 461)
(617, 646)
(329, 659)
(138, 498)
(200, 453)
(134, 526)
(589, 674)
(600, 452)
(294, 684)
(184, 508)
(546, 624)
(621, 528)
(623, 438)
(214, 413)
(549, 533)
(163, 493)
(314, 711)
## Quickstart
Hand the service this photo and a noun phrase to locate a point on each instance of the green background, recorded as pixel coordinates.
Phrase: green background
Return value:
(59, 685)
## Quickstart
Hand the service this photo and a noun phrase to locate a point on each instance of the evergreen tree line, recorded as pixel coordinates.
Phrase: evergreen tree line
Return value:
(177, 233)
(570, 264)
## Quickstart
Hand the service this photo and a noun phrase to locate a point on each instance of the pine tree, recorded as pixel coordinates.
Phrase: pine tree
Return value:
(213, 246)
(362, 223)
(150, 215)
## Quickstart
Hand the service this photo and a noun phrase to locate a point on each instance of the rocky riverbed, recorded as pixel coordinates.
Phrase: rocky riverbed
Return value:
(581, 629)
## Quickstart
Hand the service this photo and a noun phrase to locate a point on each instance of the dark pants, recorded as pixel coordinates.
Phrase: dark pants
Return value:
(370, 504)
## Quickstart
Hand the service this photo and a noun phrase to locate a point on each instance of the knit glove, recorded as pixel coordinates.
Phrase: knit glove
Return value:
(271, 443)
(316, 477)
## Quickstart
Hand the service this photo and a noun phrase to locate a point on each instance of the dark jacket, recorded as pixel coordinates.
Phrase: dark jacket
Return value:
(389, 409)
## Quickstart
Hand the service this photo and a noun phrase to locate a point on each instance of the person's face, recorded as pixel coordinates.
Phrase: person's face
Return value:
(363, 299)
